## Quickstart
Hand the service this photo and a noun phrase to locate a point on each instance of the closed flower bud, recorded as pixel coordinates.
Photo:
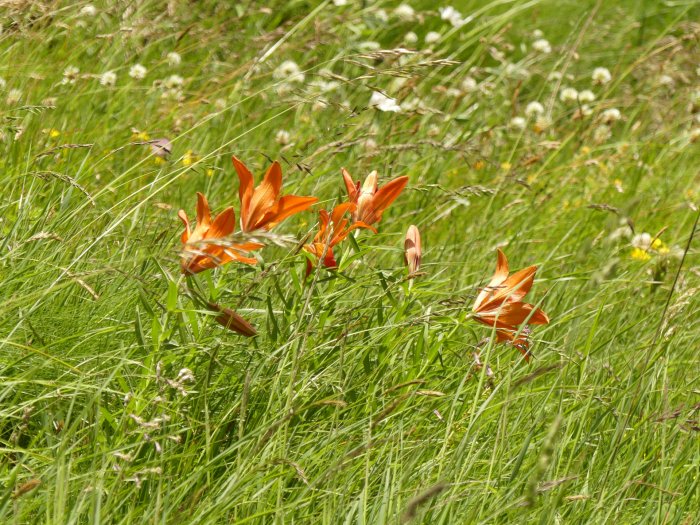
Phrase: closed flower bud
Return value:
(412, 250)
(231, 320)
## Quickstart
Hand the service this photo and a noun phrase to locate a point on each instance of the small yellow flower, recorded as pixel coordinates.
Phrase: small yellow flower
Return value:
(640, 255)
(585, 150)
(479, 165)
(54, 133)
(140, 135)
(210, 172)
(660, 247)
(159, 161)
(506, 166)
(189, 158)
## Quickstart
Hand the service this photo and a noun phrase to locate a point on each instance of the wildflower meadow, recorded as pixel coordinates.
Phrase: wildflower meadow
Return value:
(350, 262)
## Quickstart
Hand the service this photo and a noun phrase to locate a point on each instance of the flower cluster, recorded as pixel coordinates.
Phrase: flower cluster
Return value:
(212, 243)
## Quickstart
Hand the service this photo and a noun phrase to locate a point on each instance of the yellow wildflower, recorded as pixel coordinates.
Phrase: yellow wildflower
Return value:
(479, 165)
(189, 158)
(159, 161)
(640, 255)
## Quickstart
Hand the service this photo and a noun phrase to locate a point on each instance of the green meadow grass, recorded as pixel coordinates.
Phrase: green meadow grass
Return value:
(360, 401)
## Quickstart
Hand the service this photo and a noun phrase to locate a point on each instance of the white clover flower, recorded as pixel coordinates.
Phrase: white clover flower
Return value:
(137, 71)
(383, 103)
(381, 15)
(340, 3)
(289, 71)
(319, 104)
(568, 94)
(88, 10)
(694, 135)
(586, 96)
(325, 86)
(283, 89)
(3, 84)
(554, 76)
(70, 75)
(451, 15)
(405, 12)
(410, 38)
(173, 82)
(534, 108)
(582, 112)
(610, 115)
(173, 94)
(432, 37)
(282, 137)
(411, 104)
(642, 241)
(369, 46)
(220, 104)
(517, 123)
(542, 46)
(108, 78)
(537, 33)
(542, 123)
(370, 145)
(516, 71)
(13, 97)
(622, 232)
(601, 75)
(601, 134)
(666, 81)
(468, 85)
(174, 59)
(453, 92)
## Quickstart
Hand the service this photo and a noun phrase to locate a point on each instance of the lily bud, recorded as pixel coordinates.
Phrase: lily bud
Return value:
(412, 250)
(232, 321)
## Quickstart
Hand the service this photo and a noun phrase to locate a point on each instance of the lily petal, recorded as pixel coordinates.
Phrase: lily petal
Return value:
(264, 197)
(289, 205)
(186, 234)
(340, 210)
(245, 188)
(513, 289)
(350, 185)
(499, 276)
(223, 225)
(382, 199)
(510, 315)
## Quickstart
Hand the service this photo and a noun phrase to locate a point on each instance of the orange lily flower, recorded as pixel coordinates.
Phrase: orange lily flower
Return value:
(262, 208)
(500, 305)
(412, 250)
(206, 246)
(370, 200)
(326, 238)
